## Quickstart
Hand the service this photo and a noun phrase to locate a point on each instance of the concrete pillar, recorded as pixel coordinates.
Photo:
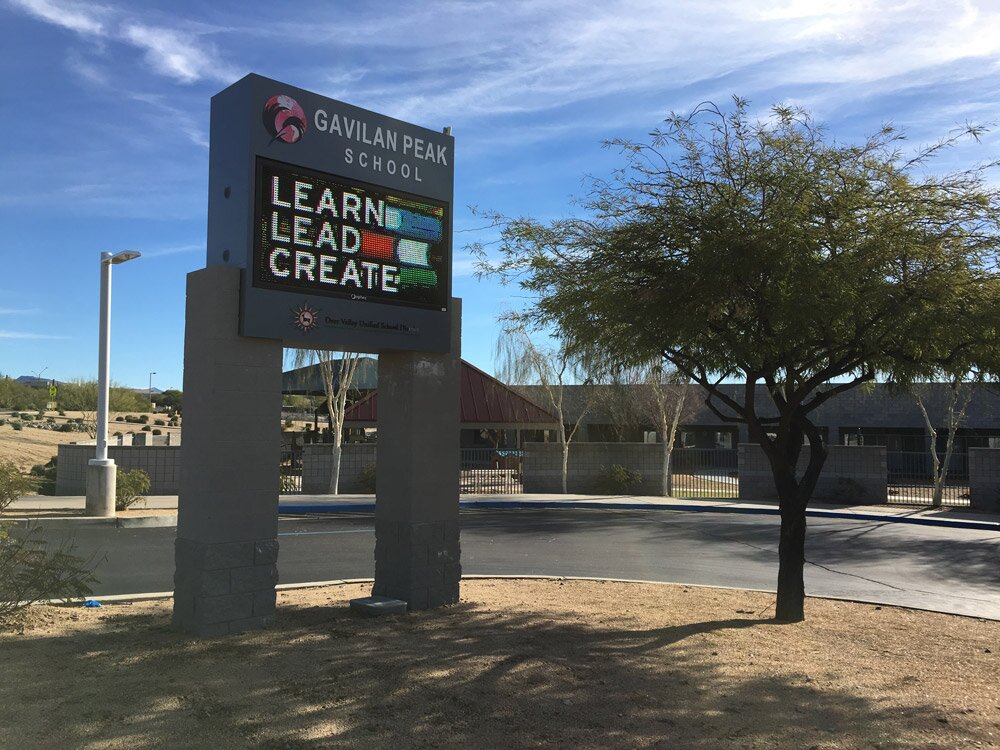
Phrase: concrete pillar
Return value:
(417, 555)
(226, 551)
(102, 481)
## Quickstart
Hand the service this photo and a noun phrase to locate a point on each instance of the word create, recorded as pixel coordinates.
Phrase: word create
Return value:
(322, 234)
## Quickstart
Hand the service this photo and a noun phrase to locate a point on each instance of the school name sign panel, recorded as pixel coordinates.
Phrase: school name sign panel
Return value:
(339, 217)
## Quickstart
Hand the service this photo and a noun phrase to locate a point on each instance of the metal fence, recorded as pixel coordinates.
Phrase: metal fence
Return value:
(489, 471)
(482, 471)
(911, 478)
(705, 473)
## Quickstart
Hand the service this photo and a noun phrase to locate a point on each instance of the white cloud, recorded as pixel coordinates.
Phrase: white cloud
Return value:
(19, 311)
(176, 53)
(20, 335)
(86, 20)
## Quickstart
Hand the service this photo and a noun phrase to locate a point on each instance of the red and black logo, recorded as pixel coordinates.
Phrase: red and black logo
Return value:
(284, 119)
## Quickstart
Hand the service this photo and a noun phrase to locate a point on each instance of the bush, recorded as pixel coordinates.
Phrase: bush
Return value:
(367, 478)
(13, 484)
(62, 413)
(130, 488)
(157, 432)
(617, 480)
(30, 573)
(119, 418)
(3, 422)
(45, 477)
(146, 428)
(17, 425)
(144, 418)
(67, 427)
(160, 422)
(50, 420)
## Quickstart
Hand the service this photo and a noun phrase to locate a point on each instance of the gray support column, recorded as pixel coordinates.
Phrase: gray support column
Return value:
(417, 555)
(227, 548)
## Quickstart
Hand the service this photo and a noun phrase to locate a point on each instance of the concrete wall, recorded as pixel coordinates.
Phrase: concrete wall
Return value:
(162, 463)
(317, 460)
(851, 474)
(542, 469)
(984, 479)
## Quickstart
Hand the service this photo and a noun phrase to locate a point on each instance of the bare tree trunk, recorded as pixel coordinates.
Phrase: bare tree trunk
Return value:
(334, 488)
(565, 464)
(790, 605)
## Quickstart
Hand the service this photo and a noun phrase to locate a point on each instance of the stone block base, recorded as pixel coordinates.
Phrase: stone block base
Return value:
(224, 587)
(419, 563)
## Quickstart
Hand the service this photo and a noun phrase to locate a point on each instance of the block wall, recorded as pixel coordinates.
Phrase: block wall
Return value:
(851, 474)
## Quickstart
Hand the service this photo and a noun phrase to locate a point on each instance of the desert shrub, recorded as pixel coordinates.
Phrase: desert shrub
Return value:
(17, 425)
(157, 432)
(62, 413)
(144, 418)
(847, 490)
(25, 417)
(67, 427)
(366, 478)
(119, 418)
(29, 572)
(44, 476)
(160, 422)
(77, 420)
(13, 483)
(130, 487)
(2, 422)
(617, 480)
(50, 420)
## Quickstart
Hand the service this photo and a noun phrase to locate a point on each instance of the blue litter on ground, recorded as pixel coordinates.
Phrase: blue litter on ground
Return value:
(91, 603)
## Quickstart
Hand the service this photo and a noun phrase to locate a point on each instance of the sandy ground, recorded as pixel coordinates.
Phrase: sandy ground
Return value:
(30, 446)
(515, 664)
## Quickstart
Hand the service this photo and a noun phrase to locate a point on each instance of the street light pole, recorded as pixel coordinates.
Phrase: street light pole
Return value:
(101, 469)
(151, 391)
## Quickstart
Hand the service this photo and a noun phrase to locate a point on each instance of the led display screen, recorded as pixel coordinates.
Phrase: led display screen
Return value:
(317, 233)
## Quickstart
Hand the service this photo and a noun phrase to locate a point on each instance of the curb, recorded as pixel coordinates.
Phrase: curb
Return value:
(115, 598)
(70, 522)
(295, 509)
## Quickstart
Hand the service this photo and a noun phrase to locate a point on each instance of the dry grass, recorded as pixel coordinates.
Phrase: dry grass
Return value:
(516, 664)
(30, 446)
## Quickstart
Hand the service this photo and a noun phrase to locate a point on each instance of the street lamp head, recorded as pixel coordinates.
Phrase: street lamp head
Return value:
(124, 255)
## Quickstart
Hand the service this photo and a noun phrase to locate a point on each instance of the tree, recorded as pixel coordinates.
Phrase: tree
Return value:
(959, 396)
(521, 362)
(337, 370)
(765, 251)
(663, 395)
(171, 400)
(644, 394)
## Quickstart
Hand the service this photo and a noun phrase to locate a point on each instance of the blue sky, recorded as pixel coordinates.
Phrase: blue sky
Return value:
(105, 109)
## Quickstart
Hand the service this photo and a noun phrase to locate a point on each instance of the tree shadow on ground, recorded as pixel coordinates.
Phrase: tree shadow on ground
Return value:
(463, 676)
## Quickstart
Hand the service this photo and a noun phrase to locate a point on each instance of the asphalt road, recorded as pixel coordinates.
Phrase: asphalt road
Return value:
(944, 569)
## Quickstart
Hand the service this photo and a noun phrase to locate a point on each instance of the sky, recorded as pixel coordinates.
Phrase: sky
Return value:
(105, 109)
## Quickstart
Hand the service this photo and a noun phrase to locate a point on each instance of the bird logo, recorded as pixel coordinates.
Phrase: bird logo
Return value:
(284, 119)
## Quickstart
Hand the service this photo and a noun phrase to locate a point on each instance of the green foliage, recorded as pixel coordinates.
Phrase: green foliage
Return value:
(130, 487)
(170, 400)
(366, 478)
(13, 483)
(29, 572)
(146, 428)
(738, 248)
(14, 395)
(160, 422)
(617, 480)
(18, 426)
(81, 395)
(44, 475)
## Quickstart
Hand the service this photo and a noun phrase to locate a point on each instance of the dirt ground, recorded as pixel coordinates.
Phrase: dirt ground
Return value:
(515, 664)
(31, 446)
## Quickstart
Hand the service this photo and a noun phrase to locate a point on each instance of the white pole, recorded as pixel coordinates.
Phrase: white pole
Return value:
(104, 359)
(101, 477)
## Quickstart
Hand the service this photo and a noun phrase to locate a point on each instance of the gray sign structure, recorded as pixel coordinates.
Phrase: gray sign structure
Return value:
(363, 200)
(310, 200)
